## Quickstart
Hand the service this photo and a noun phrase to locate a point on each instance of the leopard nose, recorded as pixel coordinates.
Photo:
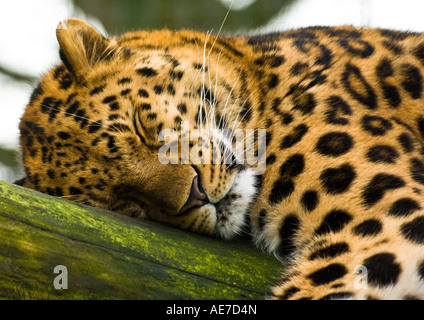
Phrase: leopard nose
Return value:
(197, 197)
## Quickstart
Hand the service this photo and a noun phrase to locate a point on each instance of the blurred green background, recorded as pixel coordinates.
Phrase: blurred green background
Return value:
(125, 15)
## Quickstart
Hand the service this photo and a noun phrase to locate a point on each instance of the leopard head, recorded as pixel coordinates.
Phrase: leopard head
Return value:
(128, 125)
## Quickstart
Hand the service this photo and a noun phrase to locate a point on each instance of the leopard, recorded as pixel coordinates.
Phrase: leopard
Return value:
(341, 191)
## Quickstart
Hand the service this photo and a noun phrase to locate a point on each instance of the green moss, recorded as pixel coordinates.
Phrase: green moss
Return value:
(115, 257)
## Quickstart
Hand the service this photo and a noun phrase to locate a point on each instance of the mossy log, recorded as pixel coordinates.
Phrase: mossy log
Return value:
(109, 256)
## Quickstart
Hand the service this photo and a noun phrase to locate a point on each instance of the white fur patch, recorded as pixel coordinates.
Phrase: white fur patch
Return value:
(233, 208)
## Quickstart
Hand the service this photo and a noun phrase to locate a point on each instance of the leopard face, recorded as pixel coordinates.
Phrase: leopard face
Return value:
(122, 128)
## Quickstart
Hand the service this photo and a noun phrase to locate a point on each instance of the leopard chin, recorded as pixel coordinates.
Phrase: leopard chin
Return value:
(232, 210)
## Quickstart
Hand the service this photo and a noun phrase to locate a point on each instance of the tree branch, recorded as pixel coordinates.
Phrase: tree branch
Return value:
(18, 76)
(115, 257)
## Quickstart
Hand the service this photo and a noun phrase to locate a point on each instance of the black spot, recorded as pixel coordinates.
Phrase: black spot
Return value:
(421, 270)
(337, 180)
(288, 293)
(390, 92)
(406, 142)
(305, 102)
(261, 219)
(355, 83)
(259, 61)
(246, 111)
(182, 108)
(268, 137)
(342, 295)
(418, 52)
(334, 221)
(59, 192)
(143, 93)
(334, 144)
(276, 61)
(198, 66)
(294, 137)
(286, 118)
(305, 44)
(270, 159)
(147, 72)
(109, 99)
(176, 75)
(370, 227)
(395, 35)
(75, 191)
(124, 80)
(146, 106)
(177, 122)
(282, 189)
(412, 80)
(171, 89)
(417, 170)
(337, 108)
(326, 56)
(38, 91)
(378, 186)
(331, 251)
(393, 46)
(382, 154)
(125, 92)
(95, 126)
(288, 231)
(375, 125)
(51, 174)
(414, 230)
(273, 81)
(35, 127)
(59, 71)
(97, 90)
(404, 207)
(299, 68)
(357, 47)
(293, 166)
(420, 124)
(309, 200)
(327, 274)
(158, 89)
(382, 270)
(402, 123)
(264, 43)
(151, 116)
(63, 135)
(64, 78)
(51, 106)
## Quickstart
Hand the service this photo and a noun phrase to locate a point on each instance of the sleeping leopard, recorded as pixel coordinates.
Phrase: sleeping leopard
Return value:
(338, 187)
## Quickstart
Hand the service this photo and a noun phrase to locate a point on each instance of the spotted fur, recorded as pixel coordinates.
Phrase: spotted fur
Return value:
(342, 193)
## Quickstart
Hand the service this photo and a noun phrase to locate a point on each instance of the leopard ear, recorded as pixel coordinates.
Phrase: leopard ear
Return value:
(82, 46)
